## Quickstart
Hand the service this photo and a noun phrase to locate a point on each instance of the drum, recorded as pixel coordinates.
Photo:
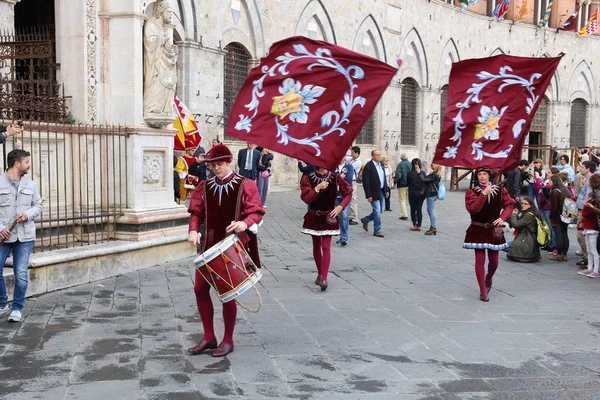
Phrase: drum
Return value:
(227, 267)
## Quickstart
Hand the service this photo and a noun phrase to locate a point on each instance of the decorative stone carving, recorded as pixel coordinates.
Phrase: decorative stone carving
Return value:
(160, 66)
(91, 16)
(154, 172)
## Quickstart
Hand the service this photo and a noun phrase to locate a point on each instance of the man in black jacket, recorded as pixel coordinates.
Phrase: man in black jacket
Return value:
(376, 190)
(514, 180)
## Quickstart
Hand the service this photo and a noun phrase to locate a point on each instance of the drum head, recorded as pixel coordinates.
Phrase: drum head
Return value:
(216, 250)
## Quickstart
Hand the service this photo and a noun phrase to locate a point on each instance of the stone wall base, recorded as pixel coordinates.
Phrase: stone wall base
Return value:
(60, 269)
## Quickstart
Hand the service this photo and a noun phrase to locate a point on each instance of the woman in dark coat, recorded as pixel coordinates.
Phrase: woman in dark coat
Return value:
(525, 246)
(490, 206)
(416, 194)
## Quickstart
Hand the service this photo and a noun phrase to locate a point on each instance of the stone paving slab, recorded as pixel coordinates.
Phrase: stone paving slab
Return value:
(401, 320)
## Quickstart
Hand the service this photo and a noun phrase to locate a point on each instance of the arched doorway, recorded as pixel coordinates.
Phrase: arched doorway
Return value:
(538, 132)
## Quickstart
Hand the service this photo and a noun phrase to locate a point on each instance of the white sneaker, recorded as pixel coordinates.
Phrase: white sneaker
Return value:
(4, 310)
(15, 316)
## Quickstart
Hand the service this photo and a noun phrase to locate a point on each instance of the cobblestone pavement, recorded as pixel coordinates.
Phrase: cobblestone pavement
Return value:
(400, 320)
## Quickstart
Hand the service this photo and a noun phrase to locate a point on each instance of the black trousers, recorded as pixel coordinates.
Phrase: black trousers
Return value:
(562, 238)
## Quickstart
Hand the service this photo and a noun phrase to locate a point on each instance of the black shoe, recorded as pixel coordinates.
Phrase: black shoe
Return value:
(353, 222)
(583, 262)
(343, 243)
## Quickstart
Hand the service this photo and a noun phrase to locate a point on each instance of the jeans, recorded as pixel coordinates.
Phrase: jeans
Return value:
(21, 252)
(416, 199)
(562, 238)
(344, 221)
(546, 214)
(431, 210)
(375, 215)
(263, 188)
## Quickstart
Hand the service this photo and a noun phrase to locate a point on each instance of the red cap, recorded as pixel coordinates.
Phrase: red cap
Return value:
(219, 152)
(191, 143)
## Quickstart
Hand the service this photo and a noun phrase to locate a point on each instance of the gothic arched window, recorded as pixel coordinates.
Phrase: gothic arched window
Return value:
(579, 113)
(367, 133)
(408, 115)
(236, 68)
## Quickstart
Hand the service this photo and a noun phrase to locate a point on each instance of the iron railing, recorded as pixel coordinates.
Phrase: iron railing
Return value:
(82, 173)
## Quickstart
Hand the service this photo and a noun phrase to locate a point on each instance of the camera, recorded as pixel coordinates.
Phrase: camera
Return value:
(20, 123)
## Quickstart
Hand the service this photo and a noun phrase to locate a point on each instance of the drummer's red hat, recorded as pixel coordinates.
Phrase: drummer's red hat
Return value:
(219, 152)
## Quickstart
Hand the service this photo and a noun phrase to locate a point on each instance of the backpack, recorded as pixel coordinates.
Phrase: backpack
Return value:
(441, 191)
(543, 232)
(360, 174)
(569, 211)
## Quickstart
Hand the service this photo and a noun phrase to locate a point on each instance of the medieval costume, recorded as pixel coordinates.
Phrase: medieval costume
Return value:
(482, 234)
(318, 221)
(218, 202)
(187, 181)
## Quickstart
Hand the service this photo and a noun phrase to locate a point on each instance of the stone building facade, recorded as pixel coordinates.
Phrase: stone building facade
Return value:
(99, 52)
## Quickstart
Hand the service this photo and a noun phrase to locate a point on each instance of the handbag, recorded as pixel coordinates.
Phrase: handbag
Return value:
(332, 220)
(498, 233)
(441, 191)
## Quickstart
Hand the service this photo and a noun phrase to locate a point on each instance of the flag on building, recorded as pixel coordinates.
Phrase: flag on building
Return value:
(186, 125)
(524, 11)
(571, 23)
(491, 104)
(543, 22)
(501, 9)
(308, 99)
(591, 27)
(467, 3)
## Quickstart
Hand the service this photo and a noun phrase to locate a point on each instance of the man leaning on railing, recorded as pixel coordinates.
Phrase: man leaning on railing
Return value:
(20, 204)
(12, 129)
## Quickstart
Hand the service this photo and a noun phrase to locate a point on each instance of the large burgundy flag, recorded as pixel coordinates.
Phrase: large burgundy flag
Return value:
(491, 103)
(308, 99)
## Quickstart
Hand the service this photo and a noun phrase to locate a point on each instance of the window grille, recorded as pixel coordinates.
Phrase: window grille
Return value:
(408, 115)
(236, 68)
(443, 106)
(367, 133)
(579, 110)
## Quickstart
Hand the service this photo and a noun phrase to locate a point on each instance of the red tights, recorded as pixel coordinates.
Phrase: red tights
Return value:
(482, 279)
(206, 310)
(322, 254)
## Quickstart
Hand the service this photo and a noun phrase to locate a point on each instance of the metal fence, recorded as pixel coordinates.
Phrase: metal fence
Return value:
(81, 171)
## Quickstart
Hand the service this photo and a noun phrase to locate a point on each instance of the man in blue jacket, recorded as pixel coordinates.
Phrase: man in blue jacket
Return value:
(346, 170)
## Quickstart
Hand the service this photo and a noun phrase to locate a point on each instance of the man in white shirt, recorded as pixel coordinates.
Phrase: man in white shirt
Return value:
(356, 165)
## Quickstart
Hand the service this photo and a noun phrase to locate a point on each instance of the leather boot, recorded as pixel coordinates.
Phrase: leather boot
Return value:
(223, 349)
(203, 346)
(431, 231)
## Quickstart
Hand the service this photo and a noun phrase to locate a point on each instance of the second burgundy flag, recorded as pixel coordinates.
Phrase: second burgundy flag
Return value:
(491, 103)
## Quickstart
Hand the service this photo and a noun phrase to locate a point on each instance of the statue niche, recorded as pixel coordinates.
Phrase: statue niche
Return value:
(160, 66)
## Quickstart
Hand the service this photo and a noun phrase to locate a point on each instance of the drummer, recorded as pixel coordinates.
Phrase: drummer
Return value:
(228, 203)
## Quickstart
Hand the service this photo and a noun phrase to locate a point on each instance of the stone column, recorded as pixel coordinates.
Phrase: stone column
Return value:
(72, 53)
(561, 125)
(389, 135)
(7, 14)
(121, 95)
(430, 124)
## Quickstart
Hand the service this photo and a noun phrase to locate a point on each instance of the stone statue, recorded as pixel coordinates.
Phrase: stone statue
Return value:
(160, 66)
